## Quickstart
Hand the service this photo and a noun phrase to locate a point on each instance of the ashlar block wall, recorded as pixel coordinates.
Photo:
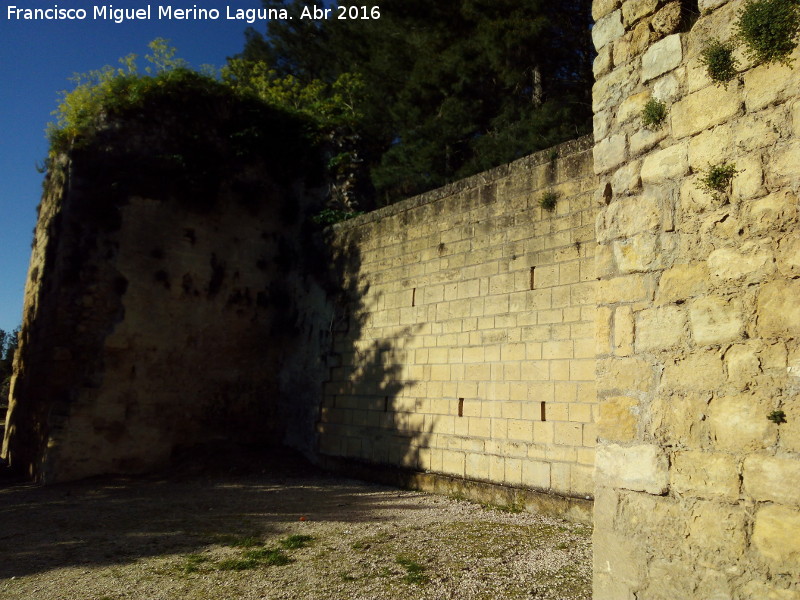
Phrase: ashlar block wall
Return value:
(469, 348)
(698, 492)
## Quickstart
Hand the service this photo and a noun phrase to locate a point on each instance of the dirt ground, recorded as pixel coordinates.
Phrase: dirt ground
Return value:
(270, 526)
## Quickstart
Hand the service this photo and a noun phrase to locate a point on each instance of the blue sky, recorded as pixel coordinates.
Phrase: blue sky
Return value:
(36, 60)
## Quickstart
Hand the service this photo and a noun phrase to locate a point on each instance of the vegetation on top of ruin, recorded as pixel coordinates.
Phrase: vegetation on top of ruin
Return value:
(450, 89)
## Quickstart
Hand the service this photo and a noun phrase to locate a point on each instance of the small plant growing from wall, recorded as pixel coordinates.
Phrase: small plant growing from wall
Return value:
(719, 61)
(654, 113)
(769, 29)
(777, 417)
(549, 201)
(718, 177)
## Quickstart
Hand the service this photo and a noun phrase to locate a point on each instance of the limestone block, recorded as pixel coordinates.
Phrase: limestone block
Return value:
(753, 132)
(768, 84)
(706, 5)
(600, 8)
(604, 261)
(704, 109)
(772, 479)
(796, 118)
(705, 475)
(610, 90)
(715, 320)
(662, 56)
(618, 418)
(665, 165)
(775, 536)
(697, 372)
(666, 88)
(717, 532)
(634, 10)
(789, 256)
(750, 262)
(679, 419)
(782, 168)
(610, 153)
(739, 423)
(764, 591)
(618, 556)
(626, 180)
(660, 328)
(742, 365)
(628, 288)
(603, 62)
(667, 20)
(711, 147)
(682, 282)
(629, 217)
(644, 139)
(778, 309)
(638, 253)
(772, 213)
(642, 468)
(632, 107)
(749, 181)
(624, 375)
(623, 331)
(607, 29)
(603, 330)
(601, 123)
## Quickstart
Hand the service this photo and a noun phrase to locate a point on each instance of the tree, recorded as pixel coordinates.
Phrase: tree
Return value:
(8, 345)
(450, 88)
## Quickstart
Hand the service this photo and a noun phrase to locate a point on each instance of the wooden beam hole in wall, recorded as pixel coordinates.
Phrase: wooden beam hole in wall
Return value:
(533, 271)
(543, 411)
(460, 407)
(414, 297)
(386, 404)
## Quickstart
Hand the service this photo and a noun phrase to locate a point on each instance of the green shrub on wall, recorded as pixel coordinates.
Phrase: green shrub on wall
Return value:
(719, 61)
(718, 177)
(654, 113)
(769, 29)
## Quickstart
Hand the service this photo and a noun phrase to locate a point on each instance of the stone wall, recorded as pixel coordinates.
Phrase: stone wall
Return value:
(469, 347)
(698, 493)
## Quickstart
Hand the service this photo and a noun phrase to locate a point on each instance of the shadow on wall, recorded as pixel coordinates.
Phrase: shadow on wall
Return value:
(366, 412)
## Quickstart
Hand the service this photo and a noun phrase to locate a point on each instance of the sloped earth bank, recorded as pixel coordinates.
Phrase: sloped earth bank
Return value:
(254, 525)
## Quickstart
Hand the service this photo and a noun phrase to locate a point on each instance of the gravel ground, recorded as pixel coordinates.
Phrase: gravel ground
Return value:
(281, 531)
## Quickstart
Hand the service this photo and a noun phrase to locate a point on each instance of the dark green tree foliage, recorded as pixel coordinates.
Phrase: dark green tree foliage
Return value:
(8, 344)
(450, 88)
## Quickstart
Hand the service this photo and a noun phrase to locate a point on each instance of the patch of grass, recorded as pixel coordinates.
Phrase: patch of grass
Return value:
(769, 29)
(549, 201)
(415, 572)
(296, 541)
(237, 564)
(240, 541)
(718, 177)
(719, 61)
(344, 576)
(273, 557)
(654, 113)
(192, 562)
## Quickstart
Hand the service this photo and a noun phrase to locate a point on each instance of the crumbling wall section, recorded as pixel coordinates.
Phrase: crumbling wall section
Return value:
(698, 325)
(153, 324)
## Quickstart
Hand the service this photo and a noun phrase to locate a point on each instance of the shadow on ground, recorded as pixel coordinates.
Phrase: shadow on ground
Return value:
(201, 500)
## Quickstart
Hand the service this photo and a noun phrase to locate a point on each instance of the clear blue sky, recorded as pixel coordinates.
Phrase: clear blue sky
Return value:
(36, 60)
